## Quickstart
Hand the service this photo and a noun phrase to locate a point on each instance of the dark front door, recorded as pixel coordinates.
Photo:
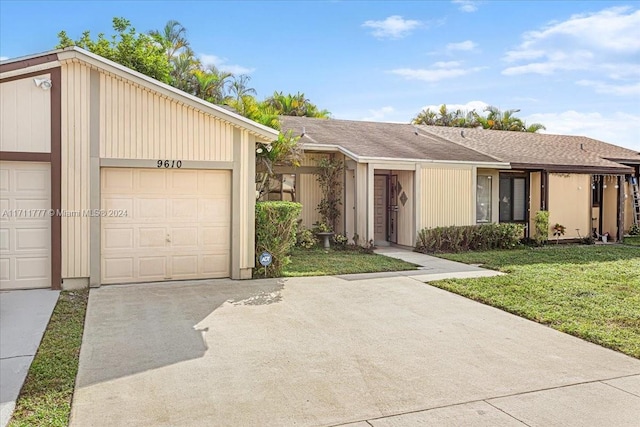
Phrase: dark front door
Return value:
(392, 204)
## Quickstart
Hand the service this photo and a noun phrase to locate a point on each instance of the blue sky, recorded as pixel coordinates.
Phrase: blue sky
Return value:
(573, 66)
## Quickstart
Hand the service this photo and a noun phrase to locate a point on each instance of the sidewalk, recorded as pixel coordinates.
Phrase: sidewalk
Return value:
(24, 316)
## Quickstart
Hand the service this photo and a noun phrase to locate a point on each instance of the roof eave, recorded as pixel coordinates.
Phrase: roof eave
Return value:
(574, 168)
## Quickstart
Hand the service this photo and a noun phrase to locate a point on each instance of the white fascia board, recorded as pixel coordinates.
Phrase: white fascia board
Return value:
(264, 132)
(33, 69)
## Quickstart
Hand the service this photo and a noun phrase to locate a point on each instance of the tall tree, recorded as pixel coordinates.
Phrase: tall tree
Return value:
(172, 38)
(295, 105)
(127, 47)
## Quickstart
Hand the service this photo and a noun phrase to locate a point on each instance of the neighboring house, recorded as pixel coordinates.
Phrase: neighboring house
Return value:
(146, 182)
(400, 178)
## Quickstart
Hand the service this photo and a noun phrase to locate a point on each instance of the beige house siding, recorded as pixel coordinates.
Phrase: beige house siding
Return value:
(137, 123)
(25, 132)
(628, 207)
(535, 199)
(447, 196)
(569, 204)
(75, 169)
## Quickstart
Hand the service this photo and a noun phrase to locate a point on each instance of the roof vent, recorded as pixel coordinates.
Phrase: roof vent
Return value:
(582, 146)
(462, 133)
(303, 131)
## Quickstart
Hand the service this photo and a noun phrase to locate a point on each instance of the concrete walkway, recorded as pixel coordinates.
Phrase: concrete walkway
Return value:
(24, 316)
(324, 351)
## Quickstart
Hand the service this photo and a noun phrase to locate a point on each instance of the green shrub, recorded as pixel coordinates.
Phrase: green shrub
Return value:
(276, 224)
(469, 238)
(541, 232)
(306, 239)
(634, 230)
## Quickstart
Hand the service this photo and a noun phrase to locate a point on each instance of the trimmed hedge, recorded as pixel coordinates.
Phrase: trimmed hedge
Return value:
(276, 226)
(469, 238)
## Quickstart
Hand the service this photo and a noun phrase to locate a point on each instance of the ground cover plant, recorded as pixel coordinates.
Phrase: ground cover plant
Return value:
(592, 292)
(322, 262)
(45, 398)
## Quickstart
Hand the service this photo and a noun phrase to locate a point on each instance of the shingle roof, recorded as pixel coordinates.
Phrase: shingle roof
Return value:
(380, 140)
(520, 149)
(524, 148)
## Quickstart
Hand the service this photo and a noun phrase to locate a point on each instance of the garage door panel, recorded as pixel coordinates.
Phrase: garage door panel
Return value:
(32, 268)
(32, 239)
(118, 269)
(152, 181)
(117, 180)
(184, 237)
(184, 265)
(181, 232)
(152, 237)
(184, 209)
(25, 237)
(120, 204)
(152, 267)
(153, 209)
(118, 238)
(33, 180)
(5, 269)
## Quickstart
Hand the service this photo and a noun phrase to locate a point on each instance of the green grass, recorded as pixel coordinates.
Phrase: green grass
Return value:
(45, 398)
(592, 292)
(632, 240)
(320, 262)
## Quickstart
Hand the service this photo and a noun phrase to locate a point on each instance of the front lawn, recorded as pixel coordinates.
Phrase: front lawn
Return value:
(45, 398)
(321, 262)
(592, 292)
(632, 240)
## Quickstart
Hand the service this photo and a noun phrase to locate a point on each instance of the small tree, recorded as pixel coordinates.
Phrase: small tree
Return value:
(329, 178)
(541, 233)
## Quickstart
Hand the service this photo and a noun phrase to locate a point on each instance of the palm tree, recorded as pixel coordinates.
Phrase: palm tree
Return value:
(171, 38)
(210, 84)
(295, 105)
(238, 91)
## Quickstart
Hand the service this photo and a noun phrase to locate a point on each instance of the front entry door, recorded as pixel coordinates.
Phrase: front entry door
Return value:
(392, 208)
(380, 209)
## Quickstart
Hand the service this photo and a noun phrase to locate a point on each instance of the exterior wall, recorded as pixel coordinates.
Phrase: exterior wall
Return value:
(138, 123)
(447, 196)
(349, 219)
(362, 203)
(406, 218)
(25, 124)
(610, 207)
(535, 198)
(75, 192)
(570, 204)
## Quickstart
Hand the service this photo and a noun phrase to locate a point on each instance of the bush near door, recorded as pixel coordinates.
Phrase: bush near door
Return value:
(469, 238)
(276, 226)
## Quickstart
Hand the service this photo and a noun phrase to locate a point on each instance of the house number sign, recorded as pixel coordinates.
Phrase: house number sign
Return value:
(169, 164)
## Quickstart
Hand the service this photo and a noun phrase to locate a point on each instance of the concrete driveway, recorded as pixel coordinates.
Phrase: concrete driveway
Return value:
(325, 351)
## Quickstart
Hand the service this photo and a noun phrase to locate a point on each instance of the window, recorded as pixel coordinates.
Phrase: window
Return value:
(483, 199)
(281, 187)
(513, 199)
(596, 191)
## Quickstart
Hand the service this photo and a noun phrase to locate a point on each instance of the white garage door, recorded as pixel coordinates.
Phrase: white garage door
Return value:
(25, 225)
(175, 224)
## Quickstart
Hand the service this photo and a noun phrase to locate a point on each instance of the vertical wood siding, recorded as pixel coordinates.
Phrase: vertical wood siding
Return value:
(310, 196)
(447, 196)
(628, 207)
(136, 123)
(569, 203)
(534, 199)
(75, 169)
(610, 207)
(25, 122)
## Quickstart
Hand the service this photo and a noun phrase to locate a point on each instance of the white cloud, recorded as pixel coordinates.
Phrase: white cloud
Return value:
(394, 27)
(438, 71)
(581, 42)
(465, 45)
(632, 89)
(379, 115)
(223, 65)
(615, 128)
(3, 58)
(466, 5)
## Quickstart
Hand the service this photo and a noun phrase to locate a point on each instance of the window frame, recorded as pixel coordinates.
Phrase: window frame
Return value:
(512, 177)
